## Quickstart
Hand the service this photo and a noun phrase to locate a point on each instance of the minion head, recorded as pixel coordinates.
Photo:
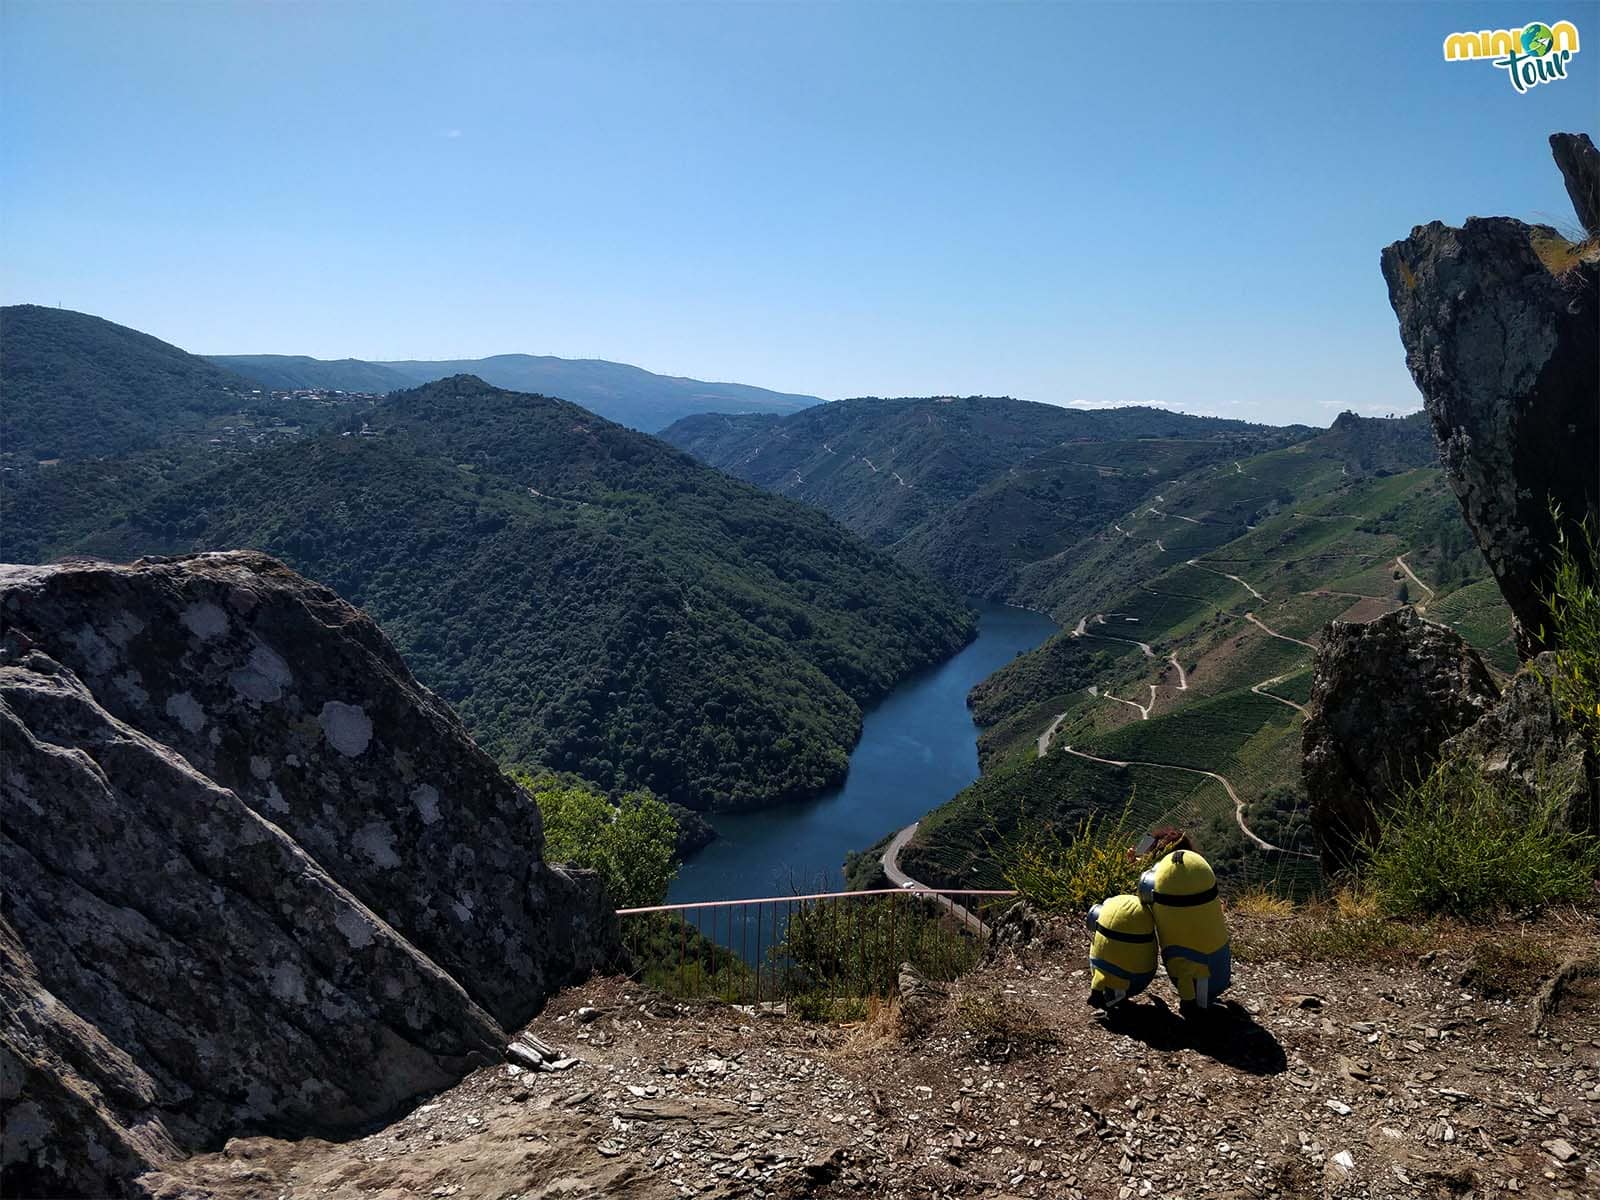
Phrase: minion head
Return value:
(1147, 888)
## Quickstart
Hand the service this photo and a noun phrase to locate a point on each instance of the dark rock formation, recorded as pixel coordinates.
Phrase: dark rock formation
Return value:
(258, 879)
(1525, 742)
(1580, 171)
(1387, 694)
(1499, 323)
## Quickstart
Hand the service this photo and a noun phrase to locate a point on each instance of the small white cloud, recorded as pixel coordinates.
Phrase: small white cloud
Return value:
(452, 133)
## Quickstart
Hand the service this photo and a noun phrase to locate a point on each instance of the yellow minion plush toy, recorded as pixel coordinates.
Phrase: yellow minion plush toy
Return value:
(1122, 950)
(1180, 893)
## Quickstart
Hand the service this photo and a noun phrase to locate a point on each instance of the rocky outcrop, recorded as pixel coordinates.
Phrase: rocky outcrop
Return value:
(258, 879)
(1386, 696)
(1579, 162)
(1525, 743)
(1498, 319)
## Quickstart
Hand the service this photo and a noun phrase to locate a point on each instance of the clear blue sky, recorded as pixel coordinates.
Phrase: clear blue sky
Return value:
(1179, 205)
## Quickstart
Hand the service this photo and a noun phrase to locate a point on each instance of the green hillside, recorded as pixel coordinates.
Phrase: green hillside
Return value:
(76, 386)
(287, 372)
(972, 490)
(588, 598)
(1228, 576)
(626, 394)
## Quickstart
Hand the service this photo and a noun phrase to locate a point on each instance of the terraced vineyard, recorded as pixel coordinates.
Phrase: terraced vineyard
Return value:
(1230, 573)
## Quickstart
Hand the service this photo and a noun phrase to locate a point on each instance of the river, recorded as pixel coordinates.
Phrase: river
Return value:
(918, 748)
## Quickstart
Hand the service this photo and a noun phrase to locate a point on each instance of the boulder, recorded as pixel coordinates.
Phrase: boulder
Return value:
(1525, 742)
(1386, 696)
(258, 879)
(1498, 320)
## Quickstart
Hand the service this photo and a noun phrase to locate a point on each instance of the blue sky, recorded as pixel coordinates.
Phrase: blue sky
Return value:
(1180, 205)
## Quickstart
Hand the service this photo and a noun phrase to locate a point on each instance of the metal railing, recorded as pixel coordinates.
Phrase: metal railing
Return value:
(819, 949)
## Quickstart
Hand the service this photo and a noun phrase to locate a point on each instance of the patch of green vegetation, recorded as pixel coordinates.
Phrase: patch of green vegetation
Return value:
(1069, 870)
(1465, 843)
(1574, 602)
(631, 844)
(1478, 612)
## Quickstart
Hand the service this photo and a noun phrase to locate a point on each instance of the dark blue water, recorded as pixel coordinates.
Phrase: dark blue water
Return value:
(918, 748)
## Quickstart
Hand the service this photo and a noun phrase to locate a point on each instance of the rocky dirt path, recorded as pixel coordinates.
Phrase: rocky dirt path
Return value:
(1373, 1076)
(1421, 605)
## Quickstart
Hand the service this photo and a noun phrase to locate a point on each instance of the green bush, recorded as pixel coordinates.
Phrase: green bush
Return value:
(1071, 873)
(1469, 845)
(1574, 604)
(632, 844)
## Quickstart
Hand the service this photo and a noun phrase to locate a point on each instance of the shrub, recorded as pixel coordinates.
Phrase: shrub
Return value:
(1069, 874)
(1574, 602)
(632, 844)
(1463, 843)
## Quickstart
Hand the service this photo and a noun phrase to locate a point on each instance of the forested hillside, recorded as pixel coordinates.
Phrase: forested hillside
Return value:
(969, 490)
(590, 599)
(75, 386)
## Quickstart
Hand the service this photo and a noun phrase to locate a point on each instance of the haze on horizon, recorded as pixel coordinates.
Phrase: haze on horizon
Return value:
(1075, 204)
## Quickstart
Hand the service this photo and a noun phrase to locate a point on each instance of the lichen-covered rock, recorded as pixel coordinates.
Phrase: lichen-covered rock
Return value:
(1386, 696)
(1524, 741)
(257, 878)
(1498, 319)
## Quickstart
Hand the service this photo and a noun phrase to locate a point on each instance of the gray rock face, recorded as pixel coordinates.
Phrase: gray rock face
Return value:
(1524, 741)
(258, 879)
(1580, 171)
(1386, 696)
(1498, 319)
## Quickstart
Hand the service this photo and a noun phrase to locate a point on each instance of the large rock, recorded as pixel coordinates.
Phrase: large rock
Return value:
(258, 879)
(1498, 319)
(1526, 745)
(1386, 696)
(1579, 162)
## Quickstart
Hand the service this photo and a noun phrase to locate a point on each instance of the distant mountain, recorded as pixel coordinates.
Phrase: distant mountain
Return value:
(970, 490)
(74, 386)
(628, 395)
(589, 599)
(287, 372)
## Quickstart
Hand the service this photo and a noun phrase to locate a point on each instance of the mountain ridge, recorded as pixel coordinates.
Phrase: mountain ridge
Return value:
(621, 392)
(589, 598)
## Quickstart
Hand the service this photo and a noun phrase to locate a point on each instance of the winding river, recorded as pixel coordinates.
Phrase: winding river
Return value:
(918, 748)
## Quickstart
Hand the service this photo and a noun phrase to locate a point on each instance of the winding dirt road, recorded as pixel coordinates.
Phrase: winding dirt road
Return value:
(1421, 605)
(1260, 689)
(1238, 804)
(1194, 562)
(1282, 637)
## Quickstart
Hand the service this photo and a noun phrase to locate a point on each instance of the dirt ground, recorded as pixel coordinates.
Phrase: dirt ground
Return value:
(1402, 1066)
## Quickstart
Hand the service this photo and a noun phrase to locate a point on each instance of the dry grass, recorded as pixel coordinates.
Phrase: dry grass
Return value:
(1505, 967)
(1261, 904)
(1004, 1028)
(1560, 255)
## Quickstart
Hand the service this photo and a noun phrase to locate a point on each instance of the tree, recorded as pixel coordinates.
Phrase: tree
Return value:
(632, 844)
